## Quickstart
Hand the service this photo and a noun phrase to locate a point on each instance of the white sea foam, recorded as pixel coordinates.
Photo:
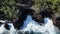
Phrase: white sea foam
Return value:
(30, 25)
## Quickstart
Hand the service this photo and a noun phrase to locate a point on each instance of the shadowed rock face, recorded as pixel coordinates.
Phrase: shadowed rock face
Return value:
(57, 22)
(1, 24)
(22, 17)
(47, 12)
(2, 15)
(38, 17)
(8, 27)
(23, 13)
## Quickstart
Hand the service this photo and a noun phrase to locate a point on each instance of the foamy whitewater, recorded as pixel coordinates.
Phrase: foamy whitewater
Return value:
(32, 27)
(46, 28)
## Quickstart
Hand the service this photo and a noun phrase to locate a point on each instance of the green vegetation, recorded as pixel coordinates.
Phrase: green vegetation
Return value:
(9, 7)
(11, 11)
(55, 4)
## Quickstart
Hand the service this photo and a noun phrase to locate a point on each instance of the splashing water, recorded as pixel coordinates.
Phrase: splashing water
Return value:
(12, 30)
(49, 26)
(2, 29)
(32, 27)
